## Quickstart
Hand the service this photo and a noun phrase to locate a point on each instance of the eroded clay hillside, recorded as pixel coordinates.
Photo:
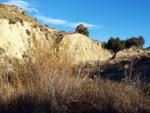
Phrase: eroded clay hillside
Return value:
(18, 30)
(85, 49)
(49, 71)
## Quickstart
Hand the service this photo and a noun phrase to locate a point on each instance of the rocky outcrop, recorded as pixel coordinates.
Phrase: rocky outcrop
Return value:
(128, 65)
(131, 52)
(84, 49)
(15, 38)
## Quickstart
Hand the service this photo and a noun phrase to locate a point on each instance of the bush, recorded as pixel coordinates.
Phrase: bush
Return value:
(139, 42)
(104, 44)
(111, 43)
(117, 44)
(82, 30)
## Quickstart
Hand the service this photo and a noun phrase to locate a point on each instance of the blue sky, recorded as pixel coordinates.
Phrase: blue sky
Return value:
(104, 18)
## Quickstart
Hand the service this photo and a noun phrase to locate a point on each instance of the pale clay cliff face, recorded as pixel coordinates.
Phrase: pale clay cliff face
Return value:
(14, 40)
(84, 49)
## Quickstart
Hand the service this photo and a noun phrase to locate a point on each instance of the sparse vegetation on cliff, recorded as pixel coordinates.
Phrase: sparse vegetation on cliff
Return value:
(13, 12)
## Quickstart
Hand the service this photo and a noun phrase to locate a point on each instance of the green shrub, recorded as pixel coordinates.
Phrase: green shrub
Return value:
(83, 30)
(104, 44)
(117, 44)
(139, 42)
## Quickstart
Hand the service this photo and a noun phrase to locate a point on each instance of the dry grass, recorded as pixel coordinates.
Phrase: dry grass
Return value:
(12, 12)
(45, 82)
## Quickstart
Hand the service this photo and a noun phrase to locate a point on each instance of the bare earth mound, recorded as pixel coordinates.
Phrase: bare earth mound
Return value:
(84, 49)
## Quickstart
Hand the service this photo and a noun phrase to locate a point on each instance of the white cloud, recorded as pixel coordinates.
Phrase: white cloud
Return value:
(50, 20)
(73, 25)
(22, 4)
(47, 20)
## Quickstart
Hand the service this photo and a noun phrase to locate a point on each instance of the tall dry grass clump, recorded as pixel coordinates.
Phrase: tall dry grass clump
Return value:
(45, 81)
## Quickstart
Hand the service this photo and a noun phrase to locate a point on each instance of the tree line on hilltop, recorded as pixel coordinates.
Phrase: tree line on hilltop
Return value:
(117, 44)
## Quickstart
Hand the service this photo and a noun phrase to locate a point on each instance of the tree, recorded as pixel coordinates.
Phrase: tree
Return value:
(82, 30)
(139, 42)
(104, 44)
(118, 45)
(115, 44)
(111, 43)
(123, 43)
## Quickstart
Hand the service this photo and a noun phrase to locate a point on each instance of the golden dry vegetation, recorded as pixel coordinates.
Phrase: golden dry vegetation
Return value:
(46, 81)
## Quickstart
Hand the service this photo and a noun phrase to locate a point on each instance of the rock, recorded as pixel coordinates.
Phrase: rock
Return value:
(129, 53)
(84, 49)
(14, 38)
